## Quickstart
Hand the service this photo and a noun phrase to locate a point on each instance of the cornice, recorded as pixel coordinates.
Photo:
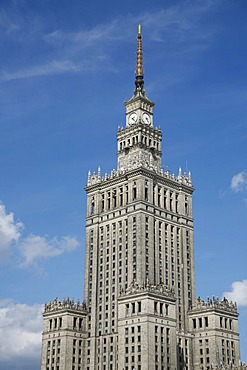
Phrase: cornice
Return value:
(139, 171)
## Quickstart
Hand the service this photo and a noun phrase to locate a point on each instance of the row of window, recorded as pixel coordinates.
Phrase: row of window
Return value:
(53, 343)
(168, 253)
(119, 197)
(183, 349)
(161, 308)
(200, 322)
(137, 139)
(228, 351)
(53, 354)
(226, 354)
(113, 244)
(162, 346)
(133, 345)
(55, 323)
(225, 323)
(111, 231)
(105, 348)
(133, 308)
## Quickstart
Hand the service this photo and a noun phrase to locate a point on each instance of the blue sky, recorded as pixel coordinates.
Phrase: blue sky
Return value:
(65, 70)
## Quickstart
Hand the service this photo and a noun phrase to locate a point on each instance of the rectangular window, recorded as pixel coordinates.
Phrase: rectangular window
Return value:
(139, 306)
(194, 323)
(155, 307)
(133, 307)
(200, 322)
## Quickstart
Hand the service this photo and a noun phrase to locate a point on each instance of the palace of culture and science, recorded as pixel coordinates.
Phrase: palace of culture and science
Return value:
(140, 310)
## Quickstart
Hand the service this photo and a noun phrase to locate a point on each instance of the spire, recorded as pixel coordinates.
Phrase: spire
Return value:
(139, 82)
(180, 173)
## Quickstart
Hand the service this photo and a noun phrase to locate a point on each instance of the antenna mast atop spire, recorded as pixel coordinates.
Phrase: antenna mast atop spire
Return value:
(139, 82)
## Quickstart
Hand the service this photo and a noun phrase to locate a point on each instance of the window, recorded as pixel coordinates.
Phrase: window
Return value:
(92, 206)
(127, 193)
(167, 309)
(139, 306)
(146, 191)
(155, 307)
(221, 321)
(161, 308)
(121, 196)
(194, 323)
(134, 191)
(114, 198)
(159, 196)
(200, 322)
(133, 307)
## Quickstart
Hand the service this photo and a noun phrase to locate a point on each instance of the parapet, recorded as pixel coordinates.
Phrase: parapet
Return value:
(57, 305)
(96, 178)
(146, 287)
(216, 303)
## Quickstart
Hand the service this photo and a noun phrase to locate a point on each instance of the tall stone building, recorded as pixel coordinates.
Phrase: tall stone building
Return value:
(140, 310)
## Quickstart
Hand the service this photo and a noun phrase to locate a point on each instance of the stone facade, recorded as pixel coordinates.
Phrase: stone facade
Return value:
(140, 308)
(147, 327)
(64, 334)
(214, 325)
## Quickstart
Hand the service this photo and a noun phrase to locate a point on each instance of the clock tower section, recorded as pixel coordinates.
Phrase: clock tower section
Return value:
(139, 143)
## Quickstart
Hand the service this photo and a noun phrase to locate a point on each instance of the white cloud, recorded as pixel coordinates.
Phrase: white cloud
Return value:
(10, 231)
(181, 21)
(88, 37)
(238, 293)
(32, 249)
(84, 50)
(6, 22)
(239, 182)
(20, 333)
(35, 247)
(51, 68)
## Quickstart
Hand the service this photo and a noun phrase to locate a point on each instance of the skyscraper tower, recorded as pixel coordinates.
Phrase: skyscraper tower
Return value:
(140, 311)
(139, 240)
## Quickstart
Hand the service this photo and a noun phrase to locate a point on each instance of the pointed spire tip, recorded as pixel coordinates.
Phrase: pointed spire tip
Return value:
(139, 82)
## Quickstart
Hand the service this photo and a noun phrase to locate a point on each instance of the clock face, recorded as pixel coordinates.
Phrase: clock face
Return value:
(146, 118)
(133, 118)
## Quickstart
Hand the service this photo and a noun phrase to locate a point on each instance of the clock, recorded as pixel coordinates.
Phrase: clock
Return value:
(146, 118)
(133, 118)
